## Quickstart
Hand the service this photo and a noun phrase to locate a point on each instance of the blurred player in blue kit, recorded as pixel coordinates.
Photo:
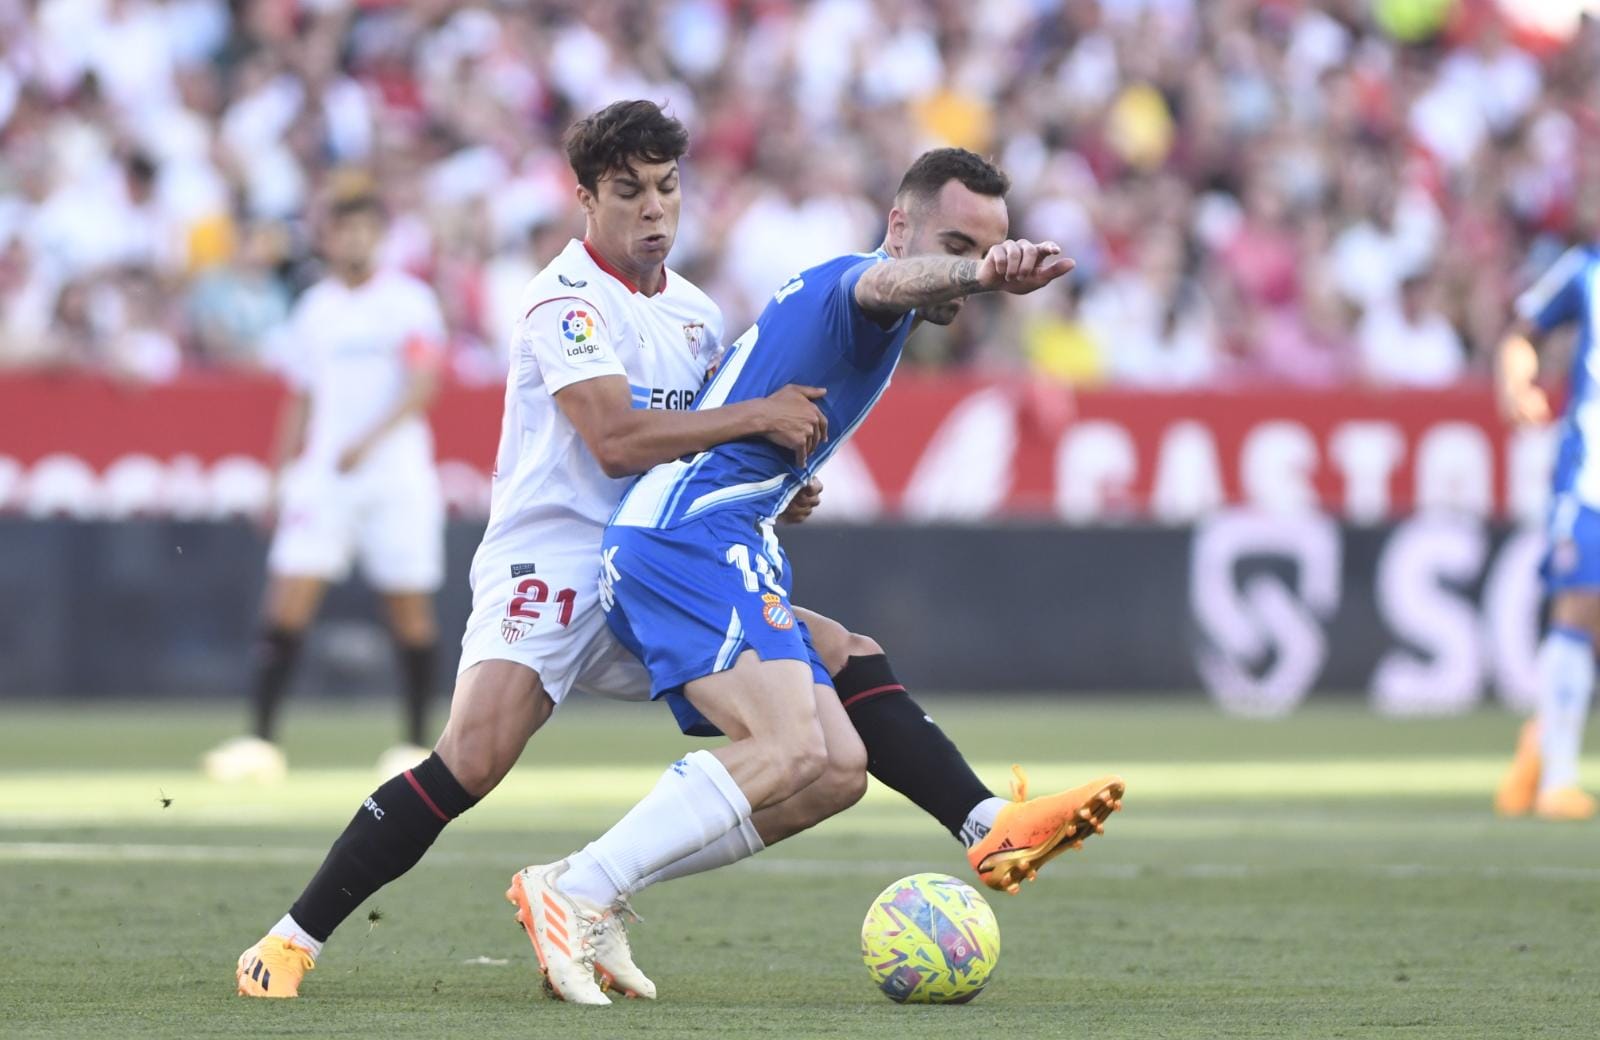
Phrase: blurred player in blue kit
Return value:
(693, 578)
(1543, 778)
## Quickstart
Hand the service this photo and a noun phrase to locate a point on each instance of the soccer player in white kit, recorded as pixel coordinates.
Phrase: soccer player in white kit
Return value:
(362, 351)
(611, 347)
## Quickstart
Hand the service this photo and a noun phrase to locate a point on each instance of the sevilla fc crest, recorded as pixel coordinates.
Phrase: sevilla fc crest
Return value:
(694, 333)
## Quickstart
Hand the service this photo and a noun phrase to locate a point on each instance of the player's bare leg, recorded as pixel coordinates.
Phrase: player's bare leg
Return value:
(288, 607)
(768, 709)
(1007, 841)
(840, 786)
(778, 747)
(1543, 777)
(416, 638)
(498, 706)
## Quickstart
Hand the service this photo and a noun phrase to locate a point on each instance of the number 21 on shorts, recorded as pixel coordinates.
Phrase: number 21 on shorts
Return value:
(532, 590)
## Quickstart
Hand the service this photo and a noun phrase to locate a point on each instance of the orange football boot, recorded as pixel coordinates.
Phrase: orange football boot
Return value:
(1031, 832)
(1520, 787)
(1564, 803)
(273, 967)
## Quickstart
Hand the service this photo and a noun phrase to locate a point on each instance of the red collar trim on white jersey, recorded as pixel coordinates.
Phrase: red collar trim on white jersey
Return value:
(601, 262)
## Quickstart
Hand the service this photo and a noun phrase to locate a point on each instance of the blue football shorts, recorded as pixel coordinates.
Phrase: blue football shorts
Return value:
(689, 600)
(1572, 557)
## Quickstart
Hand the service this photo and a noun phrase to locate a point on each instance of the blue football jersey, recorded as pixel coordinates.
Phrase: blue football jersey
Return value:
(812, 332)
(1568, 293)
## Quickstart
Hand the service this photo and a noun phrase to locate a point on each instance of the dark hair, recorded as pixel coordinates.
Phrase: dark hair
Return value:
(935, 168)
(624, 131)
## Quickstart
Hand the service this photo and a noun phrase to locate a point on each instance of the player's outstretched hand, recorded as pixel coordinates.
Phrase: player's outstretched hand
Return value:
(1019, 266)
(794, 422)
(803, 504)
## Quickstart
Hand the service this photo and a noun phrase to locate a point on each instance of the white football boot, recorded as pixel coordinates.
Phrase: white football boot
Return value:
(562, 928)
(245, 759)
(613, 957)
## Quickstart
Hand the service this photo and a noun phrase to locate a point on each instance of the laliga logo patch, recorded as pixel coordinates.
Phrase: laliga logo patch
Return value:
(577, 327)
(513, 629)
(777, 615)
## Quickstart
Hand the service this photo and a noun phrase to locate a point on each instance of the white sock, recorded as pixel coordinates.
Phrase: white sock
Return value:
(1566, 677)
(289, 928)
(693, 804)
(740, 843)
(980, 821)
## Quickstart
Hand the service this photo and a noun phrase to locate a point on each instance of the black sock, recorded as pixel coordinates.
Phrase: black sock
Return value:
(386, 838)
(416, 671)
(276, 651)
(905, 749)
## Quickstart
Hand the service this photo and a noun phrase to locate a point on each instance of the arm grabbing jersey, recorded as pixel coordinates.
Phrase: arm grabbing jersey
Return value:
(812, 332)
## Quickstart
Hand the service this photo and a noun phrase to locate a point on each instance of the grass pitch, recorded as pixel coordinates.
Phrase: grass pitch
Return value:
(1331, 875)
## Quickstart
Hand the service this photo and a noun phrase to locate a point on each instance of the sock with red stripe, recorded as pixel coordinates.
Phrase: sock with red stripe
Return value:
(906, 749)
(386, 837)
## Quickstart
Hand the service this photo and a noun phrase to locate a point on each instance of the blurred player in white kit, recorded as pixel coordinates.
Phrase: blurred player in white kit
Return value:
(361, 360)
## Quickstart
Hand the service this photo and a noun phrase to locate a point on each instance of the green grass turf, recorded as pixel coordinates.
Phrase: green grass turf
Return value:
(1331, 875)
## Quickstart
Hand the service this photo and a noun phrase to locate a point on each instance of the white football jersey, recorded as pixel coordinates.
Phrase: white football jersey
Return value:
(580, 321)
(352, 350)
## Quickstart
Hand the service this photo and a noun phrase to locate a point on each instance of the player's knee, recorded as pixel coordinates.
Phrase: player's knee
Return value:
(836, 644)
(496, 707)
(803, 758)
(859, 645)
(474, 757)
(850, 789)
(846, 777)
(476, 775)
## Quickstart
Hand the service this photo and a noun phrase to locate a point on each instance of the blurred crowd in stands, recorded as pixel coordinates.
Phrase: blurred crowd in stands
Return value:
(1291, 192)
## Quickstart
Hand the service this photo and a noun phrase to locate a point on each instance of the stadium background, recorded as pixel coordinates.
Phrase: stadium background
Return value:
(1250, 458)
(1253, 449)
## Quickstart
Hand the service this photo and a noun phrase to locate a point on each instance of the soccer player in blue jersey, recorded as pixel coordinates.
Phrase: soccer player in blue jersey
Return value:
(1543, 778)
(564, 452)
(696, 584)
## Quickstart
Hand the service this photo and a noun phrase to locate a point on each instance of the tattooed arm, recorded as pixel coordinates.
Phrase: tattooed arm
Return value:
(894, 287)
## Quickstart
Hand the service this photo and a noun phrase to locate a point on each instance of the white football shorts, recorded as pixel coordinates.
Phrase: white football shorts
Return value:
(392, 524)
(541, 608)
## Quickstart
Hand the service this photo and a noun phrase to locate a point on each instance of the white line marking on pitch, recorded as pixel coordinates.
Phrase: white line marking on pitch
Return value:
(124, 852)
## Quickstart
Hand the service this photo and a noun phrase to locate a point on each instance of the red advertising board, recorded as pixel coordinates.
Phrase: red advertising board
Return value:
(939, 447)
